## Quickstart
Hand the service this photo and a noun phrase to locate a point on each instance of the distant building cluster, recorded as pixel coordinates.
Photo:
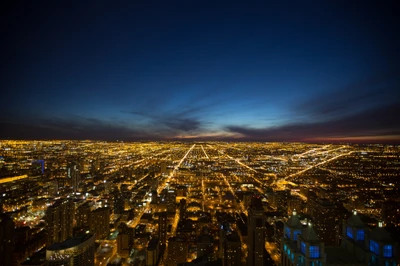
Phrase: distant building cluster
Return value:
(183, 204)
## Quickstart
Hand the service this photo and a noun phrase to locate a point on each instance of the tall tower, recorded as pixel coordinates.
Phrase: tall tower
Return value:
(326, 222)
(312, 250)
(162, 227)
(6, 240)
(383, 249)
(177, 251)
(124, 240)
(256, 233)
(205, 247)
(73, 175)
(59, 218)
(152, 252)
(232, 250)
(100, 222)
(292, 230)
(82, 216)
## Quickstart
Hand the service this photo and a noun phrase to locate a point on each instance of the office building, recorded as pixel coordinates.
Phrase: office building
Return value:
(152, 252)
(374, 247)
(360, 245)
(232, 250)
(100, 222)
(82, 215)
(171, 201)
(73, 175)
(162, 227)
(256, 233)
(326, 220)
(7, 234)
(59, 218)
(177, 251)
(205, 247)
(124, 240)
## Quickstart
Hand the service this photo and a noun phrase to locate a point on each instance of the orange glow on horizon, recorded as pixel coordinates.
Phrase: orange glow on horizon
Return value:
(364, 139)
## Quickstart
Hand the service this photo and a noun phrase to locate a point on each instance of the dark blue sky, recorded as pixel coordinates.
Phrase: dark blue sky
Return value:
(147, 70)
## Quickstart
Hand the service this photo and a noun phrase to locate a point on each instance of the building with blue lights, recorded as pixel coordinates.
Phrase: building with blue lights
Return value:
(301, 245)
(360, 245)
(372, 247)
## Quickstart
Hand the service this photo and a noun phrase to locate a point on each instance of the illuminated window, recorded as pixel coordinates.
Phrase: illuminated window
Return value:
(360, 234)
(287, 232)
(314, 251)
(284, 247)
(349, 232)
(387, 251)
(303, 248)
(374, 247)
(296, 233)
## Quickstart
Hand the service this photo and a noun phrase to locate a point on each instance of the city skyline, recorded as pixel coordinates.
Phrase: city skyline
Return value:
(326, 72)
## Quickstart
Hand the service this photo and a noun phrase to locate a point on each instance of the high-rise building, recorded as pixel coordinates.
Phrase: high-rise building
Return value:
(152, 252)
(171, 201)
(232, 250)
(73, 175)
(205, 246)
(326, 221)
(124, 240)
(360, 245)
(77, 251)
(59, 218)
(279, 199)
(163, 168)
(7, 231)
(82, 215)
(182, 208)
(154, 197)
(177, 251)
(295, 203)
(162, 227)
(119, 203)
(373, 247)
(100, 222)
(256, 233)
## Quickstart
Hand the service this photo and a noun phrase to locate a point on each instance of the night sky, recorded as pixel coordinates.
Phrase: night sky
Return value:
(317, 71)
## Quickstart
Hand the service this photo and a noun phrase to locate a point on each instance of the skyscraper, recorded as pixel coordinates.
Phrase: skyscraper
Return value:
(152, 252)
(73, 175)
(124, 240)
(162, 227)
(59, 218)
(371, 247)
(232, 250)
(100, 222)
(326, 220)
(6, 240)
(177, 251)
(256, 231)
(205, 246)
(83, 215)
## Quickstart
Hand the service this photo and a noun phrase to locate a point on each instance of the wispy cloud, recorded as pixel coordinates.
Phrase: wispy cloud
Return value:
(379, 121)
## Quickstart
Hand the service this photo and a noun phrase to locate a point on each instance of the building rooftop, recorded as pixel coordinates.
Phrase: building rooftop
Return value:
(380, 234)
(72, 242)
(355, 221)
(153, 243)
(309, 234)
(294, 221)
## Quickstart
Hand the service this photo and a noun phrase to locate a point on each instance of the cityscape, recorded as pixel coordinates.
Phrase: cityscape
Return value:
(198, 203)
(200, 133)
